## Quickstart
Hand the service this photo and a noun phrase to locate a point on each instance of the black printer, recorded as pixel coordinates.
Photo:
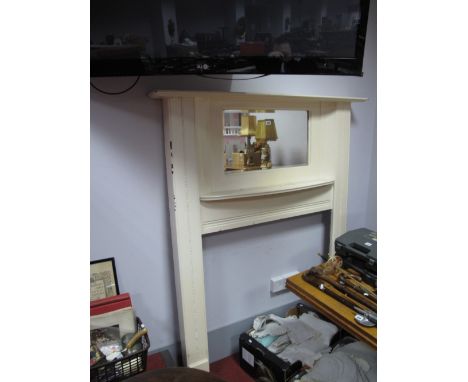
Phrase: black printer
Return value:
(358, 249)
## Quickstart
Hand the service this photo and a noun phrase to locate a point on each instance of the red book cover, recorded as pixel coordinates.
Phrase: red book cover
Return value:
(110, 304)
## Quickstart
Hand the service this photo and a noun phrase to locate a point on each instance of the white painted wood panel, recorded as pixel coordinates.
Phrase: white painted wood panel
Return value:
(235, 213)
(263, 191)
(157, 94)
(184, 207)
(333, 131)
(204, 199)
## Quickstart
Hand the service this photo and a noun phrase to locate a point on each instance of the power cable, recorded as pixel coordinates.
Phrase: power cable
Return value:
(232, 79)
(115, 93)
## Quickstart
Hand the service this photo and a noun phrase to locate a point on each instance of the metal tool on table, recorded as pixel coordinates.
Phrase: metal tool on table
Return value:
(358, 296)
(358, 286)
(364, 315)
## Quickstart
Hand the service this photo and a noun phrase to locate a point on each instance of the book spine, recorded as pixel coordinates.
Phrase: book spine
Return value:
(108, 300)
(110, 304)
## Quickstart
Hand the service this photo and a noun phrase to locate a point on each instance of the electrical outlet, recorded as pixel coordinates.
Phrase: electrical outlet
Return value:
(278, 283)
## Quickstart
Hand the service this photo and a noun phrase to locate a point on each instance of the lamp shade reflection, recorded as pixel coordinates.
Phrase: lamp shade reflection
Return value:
(266, 130)
(248, 125)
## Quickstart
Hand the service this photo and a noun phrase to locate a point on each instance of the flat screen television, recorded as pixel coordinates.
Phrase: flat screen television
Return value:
(152, 37)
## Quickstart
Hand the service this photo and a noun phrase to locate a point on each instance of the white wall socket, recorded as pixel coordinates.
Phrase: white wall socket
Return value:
(278, 283)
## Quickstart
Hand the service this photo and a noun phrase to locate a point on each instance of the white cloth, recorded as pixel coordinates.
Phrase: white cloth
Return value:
(279, 344)
(305, 338)
(355, 362)
(310, 338)
(267, 326)
(306, 352)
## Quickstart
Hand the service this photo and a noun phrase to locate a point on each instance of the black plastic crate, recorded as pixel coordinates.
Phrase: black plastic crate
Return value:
(125, 367)
(262, 364)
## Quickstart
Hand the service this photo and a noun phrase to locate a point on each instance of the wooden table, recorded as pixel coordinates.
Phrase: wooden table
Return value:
(335, 311)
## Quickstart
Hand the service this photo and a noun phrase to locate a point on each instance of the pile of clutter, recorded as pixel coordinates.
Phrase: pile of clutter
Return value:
(307, 338)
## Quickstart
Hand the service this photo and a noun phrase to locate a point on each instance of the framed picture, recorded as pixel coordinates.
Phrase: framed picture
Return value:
(103, 278)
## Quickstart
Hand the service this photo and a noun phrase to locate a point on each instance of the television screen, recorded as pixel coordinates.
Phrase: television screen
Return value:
(148, 37)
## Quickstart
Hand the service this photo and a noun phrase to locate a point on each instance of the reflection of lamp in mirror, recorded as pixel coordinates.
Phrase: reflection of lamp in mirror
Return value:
(266, 131)
(248, 129)
(248, 126)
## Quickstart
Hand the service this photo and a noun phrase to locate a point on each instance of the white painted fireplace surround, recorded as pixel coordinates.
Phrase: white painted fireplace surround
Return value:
(204, 199)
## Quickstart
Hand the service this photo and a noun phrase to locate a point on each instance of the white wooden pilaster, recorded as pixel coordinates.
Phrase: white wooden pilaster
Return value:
(184, 208)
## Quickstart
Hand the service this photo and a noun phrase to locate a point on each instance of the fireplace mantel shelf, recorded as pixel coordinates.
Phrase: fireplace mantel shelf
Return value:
(158, 94)
(263, 191)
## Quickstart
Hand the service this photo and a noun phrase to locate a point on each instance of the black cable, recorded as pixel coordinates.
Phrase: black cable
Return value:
(115, 93)
(201, 75)
(232, 79)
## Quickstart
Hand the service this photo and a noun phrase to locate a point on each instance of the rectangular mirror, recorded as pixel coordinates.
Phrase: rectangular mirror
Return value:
(264, 139)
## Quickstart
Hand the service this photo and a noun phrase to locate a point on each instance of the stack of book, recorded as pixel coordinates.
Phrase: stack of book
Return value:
(116, 312)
